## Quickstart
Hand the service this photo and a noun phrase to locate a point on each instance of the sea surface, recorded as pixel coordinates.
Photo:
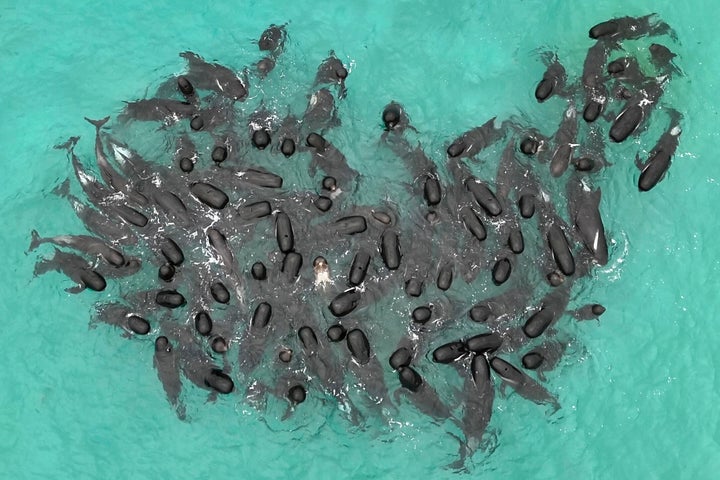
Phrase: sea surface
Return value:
(640, 392)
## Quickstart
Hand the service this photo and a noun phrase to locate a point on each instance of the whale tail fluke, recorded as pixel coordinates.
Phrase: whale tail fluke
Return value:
(35, 240)
(98, 123)
(675, 116)
(466, 451)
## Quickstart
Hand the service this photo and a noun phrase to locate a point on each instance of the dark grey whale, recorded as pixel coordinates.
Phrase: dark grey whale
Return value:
(551, 308)
(321, 113)
(81, 243)
(596, 94)
(215, 77)
(636, 111)
(112, 177)
(653, 170)
(74, 267)
(553, 81)
(478, 395)
(584, 208)
(523, 384)
(332, 71)
(96, 221)
(424, 397)
(629, 28)
(120, 315)
(164, 110)
(564, 141)
(166, 363)
(475, 140)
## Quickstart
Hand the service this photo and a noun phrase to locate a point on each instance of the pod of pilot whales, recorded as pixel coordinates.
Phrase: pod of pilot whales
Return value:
(243, 252)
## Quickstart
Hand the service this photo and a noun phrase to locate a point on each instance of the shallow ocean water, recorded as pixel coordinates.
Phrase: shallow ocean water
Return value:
(638, 396)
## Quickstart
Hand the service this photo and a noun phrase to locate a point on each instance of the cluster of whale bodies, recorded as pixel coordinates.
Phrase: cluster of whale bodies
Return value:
(243, 252)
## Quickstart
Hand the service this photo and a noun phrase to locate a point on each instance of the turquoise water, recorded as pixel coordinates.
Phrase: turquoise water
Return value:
(638, 398)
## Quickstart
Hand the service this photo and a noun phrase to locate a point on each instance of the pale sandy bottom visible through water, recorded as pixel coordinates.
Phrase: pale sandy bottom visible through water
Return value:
(639, 397)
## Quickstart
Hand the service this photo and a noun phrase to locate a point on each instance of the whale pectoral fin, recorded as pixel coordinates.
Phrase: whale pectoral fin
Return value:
(35, 240)
(62, 190)
(42, 267)
(313, 166)
(288, 413)
(181, 413)
(503, 388)
(456, 437)
(76, 289)
(453, 419)
(639, 163)
(490, 441)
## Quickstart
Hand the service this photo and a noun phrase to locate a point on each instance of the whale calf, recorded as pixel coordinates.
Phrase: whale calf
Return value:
(596, 95)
